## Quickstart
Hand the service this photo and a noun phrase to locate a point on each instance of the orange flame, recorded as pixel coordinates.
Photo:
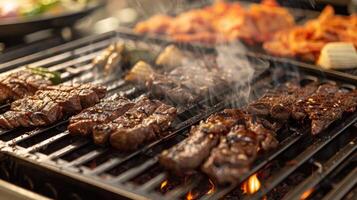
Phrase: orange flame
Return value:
(306, 194)
(190, 196)
(163, 184)
(252, 185)
(212, 187)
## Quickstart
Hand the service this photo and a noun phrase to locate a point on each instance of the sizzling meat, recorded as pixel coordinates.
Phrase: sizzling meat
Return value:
(50, 104)
(190, 153)
(145, 121)
(238, 150)
(325, 106)
(277, 104)
(226, 145)
(103, 112)
(20, 84)
(183, 85)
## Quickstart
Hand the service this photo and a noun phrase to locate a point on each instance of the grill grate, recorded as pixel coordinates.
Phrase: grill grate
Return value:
(102, 172)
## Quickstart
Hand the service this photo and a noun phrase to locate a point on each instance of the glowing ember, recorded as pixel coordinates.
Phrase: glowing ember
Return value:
(252, 185)
(212, 187)
(190, 196)
(306, 194)
(163, 185)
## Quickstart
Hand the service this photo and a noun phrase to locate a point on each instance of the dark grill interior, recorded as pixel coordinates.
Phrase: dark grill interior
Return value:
(59, 165)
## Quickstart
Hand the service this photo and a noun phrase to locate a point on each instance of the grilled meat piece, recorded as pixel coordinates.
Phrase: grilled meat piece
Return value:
(325, 106)
(277, 104)
(237, 151)
(134, 116)
(183, 85)
(143, 122)
(50, 104)
(190, 153)
(129, 138)
(20, 84)
(103, 112)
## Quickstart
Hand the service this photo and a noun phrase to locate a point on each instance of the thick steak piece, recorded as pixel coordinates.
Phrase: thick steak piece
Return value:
(20, 84)
(152, 127)
(278, 104)
(142, 109)
(325, 106)
(237, 151)
(188, 155)
(50, 104)
(101, 113)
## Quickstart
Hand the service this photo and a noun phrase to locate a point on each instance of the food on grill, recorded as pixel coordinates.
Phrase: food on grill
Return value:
(170, 58)
(237, 151)
(101, 113)
(325, 106)
(190, 153)
(183, 85)
(278, 103)
(145, 121)
(25, 82)
(338, 55)
(221, 22)
(119, 56)
(227, 143)
(307, 41)
(50, 104)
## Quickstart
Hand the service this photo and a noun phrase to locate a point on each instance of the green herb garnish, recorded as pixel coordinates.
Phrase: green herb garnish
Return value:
(54, 77)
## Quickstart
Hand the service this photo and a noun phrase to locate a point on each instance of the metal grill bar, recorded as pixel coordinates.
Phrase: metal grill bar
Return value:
(152, 183)
(105, 166)
(68, 149)
(33, 133)
(135, 171)
(180, 191)
(47, 142)
(83, 59)
(342, 188)
(273, 181)
(49, 52)
(87, 157)
(318, 176)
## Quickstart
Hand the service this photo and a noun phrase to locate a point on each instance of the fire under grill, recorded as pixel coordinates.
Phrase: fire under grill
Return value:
(62, 166)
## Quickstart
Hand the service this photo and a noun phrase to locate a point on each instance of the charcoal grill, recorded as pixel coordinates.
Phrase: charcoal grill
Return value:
(58, 165)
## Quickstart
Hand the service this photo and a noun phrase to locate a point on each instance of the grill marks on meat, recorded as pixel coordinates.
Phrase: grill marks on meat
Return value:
(227, 151)
(50, 104)
(103, 112)
(238, 150)
(325, 106)
(20, 84)
(145, 121)
(278, 104)
(183, 85)
(191, 152)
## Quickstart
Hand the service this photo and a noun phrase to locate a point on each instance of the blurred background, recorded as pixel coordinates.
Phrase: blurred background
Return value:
(99, 16)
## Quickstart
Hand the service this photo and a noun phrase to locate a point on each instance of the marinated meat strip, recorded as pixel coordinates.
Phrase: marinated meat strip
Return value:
(277, 104)
(190, 153)
(103, 112)
(237, 151)
(154, 126)
(20, 84)
(183, 85)
(135, 115)
(143, 122)
(50, 104)
(325, 106)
